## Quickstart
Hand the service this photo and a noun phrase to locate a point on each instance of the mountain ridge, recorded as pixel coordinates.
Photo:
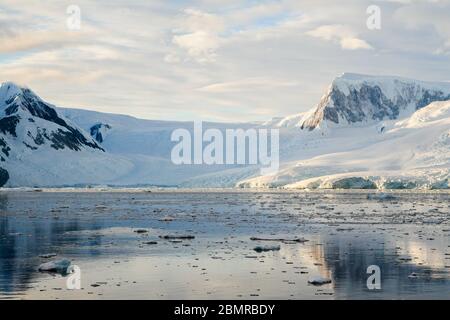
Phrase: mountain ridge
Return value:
(44, 145)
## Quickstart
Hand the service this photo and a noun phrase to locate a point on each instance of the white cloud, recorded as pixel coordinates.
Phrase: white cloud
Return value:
(197, 20)
(198, 36)
(247, 15)
(258, 83)
(339, 34)
(354, 44)
(200, 45)
(423, 16)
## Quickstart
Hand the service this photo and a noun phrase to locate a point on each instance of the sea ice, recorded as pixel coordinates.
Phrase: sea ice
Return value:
(58, 266)
(318, 280)
(266, 248)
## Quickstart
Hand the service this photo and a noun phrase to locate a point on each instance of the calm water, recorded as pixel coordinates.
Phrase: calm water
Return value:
(346, 232)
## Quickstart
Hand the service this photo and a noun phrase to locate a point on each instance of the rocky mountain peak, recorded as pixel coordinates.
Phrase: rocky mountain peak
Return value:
(29, 122)
(362, 99)
(9, 90)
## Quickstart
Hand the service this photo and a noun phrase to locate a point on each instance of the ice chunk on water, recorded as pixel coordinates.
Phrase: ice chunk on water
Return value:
(58, 266)
(176, 237)
(48, 255)
(141, 231)
(318, 280)
(266, 248)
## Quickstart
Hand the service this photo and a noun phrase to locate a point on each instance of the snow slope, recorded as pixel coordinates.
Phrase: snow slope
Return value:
(147, 144)
(410, 153)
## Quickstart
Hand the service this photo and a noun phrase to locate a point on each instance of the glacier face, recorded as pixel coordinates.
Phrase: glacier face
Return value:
(366, 132)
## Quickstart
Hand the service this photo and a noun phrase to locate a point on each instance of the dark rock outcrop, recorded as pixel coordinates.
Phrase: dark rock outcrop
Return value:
(4, 177)
(97, 129)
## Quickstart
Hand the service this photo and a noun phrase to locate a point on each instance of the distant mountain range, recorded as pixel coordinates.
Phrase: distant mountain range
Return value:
(366, 132)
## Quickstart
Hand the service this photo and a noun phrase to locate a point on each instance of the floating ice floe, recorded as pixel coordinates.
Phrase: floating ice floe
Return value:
(266, 248)
(295, 240)
(151, 242)
(141, 231)
(432, 221)
(175, 237)
(318, 280)
(167, 219)
(58, 266)
(47, 255)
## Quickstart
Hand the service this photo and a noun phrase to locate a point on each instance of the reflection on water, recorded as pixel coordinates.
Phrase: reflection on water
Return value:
(347, 233)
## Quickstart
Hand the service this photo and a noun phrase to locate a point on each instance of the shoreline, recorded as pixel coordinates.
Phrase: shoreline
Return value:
(220, 190)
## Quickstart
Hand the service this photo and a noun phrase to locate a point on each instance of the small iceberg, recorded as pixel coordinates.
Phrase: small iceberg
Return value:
(318, 280)
(47, 255)
(283, 240)
(175, 237)
(167, 219)
(141, 231)
(266, 248)
(57, 266)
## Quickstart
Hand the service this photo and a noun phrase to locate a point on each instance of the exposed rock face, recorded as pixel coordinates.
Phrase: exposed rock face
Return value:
(8, 125)
(353, 99)
(4, 177)
(98, 131)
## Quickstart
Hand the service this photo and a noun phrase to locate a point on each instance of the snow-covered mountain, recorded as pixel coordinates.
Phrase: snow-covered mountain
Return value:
(366, 132)
(33, 136)
(32, 121)
(410, 153)
(361, 99)
(369, 132)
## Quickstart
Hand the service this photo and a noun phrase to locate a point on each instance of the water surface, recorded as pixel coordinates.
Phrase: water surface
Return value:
(408, 237)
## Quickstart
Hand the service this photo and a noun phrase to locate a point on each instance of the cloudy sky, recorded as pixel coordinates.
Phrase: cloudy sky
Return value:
(222, 60)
